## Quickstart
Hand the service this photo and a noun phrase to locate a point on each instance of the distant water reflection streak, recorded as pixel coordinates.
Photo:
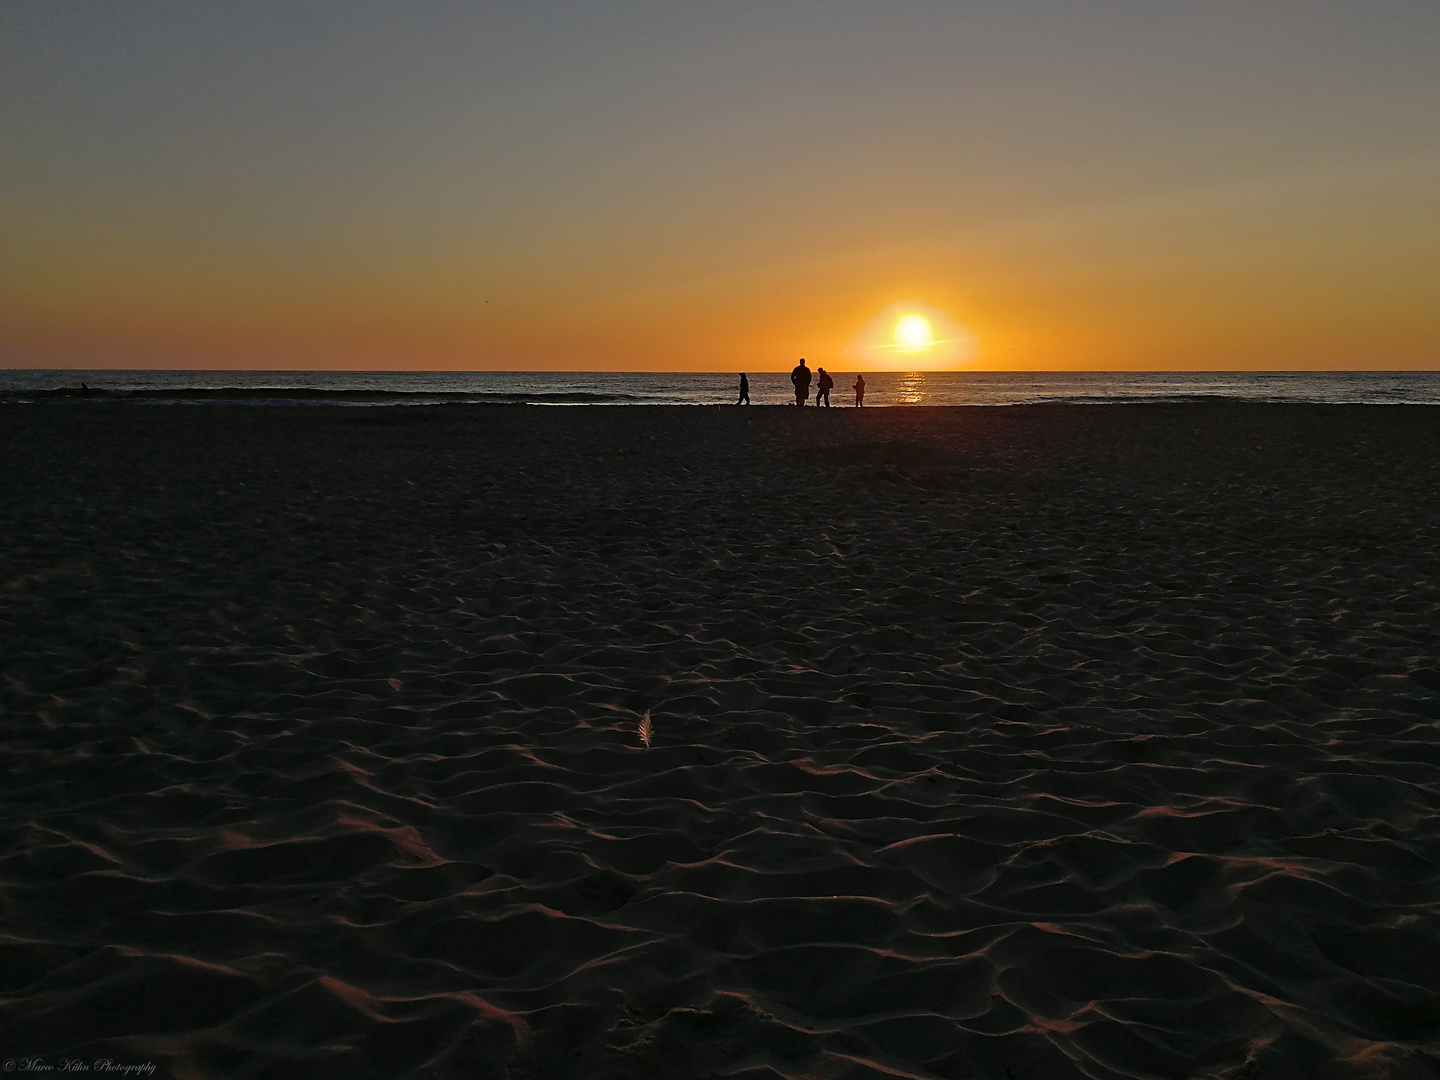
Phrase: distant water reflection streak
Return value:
(911, 390)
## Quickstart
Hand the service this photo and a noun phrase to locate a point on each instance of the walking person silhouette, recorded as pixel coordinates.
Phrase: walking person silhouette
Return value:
(823, 388)
(744, 390)
(801, 378)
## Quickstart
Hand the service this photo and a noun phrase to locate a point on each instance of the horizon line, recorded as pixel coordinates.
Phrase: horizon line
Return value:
(757, 370)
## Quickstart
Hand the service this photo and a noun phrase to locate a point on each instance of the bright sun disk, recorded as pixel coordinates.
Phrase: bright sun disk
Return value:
(913, 332)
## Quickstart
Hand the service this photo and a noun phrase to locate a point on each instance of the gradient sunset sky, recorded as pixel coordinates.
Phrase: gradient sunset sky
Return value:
(724, 185)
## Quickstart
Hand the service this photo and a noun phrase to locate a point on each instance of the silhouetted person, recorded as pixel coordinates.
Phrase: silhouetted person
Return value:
(801, 378)
(744, 390)
(823, 388)
(859, 390)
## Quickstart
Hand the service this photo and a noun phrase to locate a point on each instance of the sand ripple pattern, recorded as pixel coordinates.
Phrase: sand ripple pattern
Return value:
(1043, 743)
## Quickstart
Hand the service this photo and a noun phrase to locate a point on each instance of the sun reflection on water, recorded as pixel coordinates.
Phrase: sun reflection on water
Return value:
(911, 390)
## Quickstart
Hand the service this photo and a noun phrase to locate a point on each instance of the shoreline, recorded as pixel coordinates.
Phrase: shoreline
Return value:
(884, 388)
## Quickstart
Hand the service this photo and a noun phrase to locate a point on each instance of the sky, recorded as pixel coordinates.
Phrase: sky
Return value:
(720, 185)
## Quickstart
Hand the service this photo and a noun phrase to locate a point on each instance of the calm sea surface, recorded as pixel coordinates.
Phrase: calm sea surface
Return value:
(766, 388)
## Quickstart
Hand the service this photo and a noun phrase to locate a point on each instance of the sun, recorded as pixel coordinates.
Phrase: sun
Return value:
(913, 332)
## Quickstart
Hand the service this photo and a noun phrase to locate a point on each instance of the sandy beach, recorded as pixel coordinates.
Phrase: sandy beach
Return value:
(1034, 743)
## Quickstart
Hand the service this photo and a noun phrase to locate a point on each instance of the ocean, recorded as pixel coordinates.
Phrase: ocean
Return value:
(389, 388)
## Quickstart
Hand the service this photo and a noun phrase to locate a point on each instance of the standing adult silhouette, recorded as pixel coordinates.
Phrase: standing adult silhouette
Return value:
(744, 390)
(801, 378)
(823, 388)
(859, 390)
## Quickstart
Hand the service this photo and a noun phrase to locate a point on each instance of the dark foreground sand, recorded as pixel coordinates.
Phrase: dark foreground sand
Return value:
(1037, 742)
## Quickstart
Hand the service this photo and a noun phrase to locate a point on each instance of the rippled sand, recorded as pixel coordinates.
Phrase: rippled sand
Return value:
(1040, 742)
